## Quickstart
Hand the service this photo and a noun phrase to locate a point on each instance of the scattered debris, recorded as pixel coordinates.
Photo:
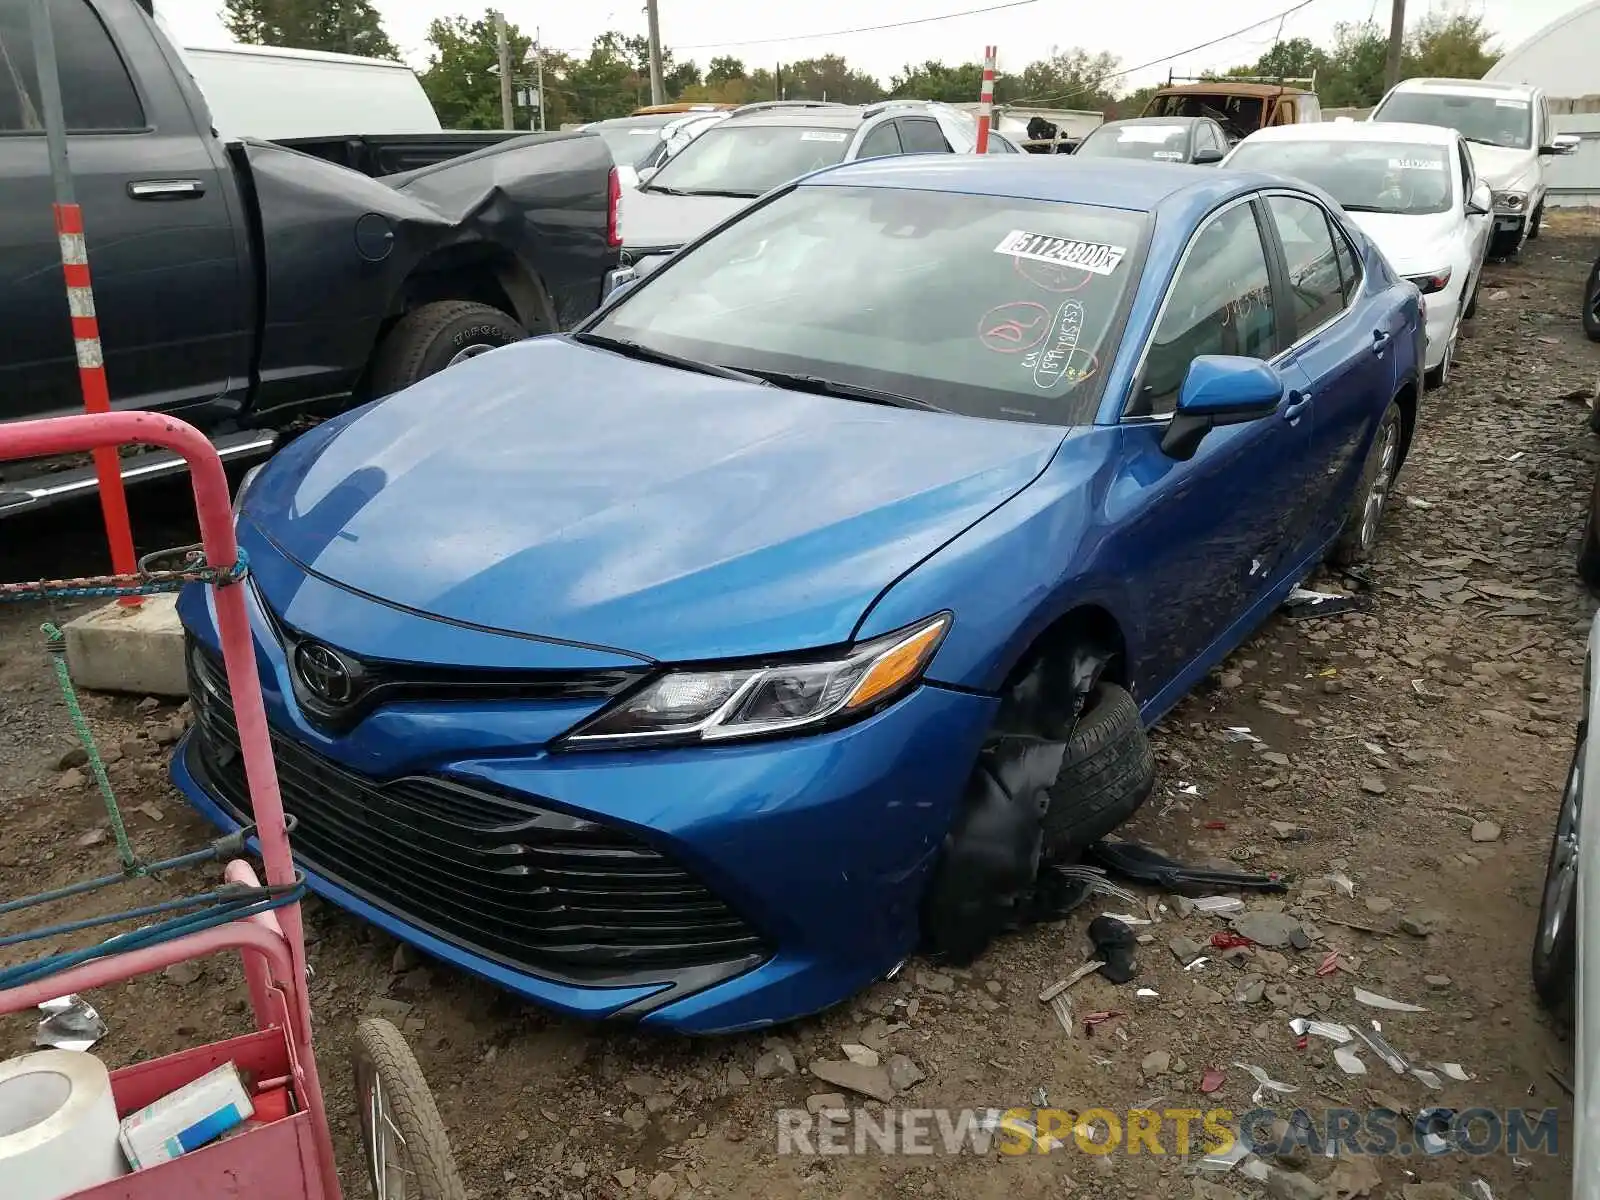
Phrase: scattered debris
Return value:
(1061, 1006)
(1485, 831)
(1352, 1179)
(1268, 929)
(1114, 946)
(1185, 949)
(1218, 904)
(1373, 1000)
(1303, 603)
(1212, 1080)
(864, 1056)
(1322, 1029)
(70, 1023)
(1146, 993)
(1146, 865)
(1155, 1063)
(1420, 922)
(1349, 1060)
(1391, 1057)
(1329, 964)
(1061, 985)
(1265, 1082)
(853, 1077)
(1098, 1018)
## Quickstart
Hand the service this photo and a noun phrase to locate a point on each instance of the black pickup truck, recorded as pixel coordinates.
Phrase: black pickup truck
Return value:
(245, 285)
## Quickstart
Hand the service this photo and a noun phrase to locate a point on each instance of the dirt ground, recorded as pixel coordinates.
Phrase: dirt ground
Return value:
(1417, 750)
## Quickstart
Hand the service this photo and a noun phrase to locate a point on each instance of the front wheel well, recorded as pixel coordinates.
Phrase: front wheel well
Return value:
(479, 272)
(1061, 666)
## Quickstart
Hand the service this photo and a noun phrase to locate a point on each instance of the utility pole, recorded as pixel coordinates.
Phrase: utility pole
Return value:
(1397, 41)
(503, 48)
(538, 46)
(658, 94)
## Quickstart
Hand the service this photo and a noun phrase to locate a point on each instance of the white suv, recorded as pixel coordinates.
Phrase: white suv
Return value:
(1506, 126)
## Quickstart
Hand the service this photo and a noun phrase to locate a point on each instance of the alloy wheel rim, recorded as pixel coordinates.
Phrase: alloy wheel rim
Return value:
(467, 352)
(1561, 881)
(1378, 493)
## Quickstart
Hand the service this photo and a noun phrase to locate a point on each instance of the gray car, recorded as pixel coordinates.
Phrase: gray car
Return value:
(761, 146)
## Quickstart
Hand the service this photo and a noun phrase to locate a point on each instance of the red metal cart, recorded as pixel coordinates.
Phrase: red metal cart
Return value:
(292, 1157)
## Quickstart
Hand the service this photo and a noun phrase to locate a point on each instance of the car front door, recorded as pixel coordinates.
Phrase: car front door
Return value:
(1479, 225)
(163, 252)
(1207, 532)
(1344, 349)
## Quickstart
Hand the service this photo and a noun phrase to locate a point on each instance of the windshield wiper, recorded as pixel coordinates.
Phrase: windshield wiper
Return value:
(650, 354)
(844, 391)
(1365, 208)
(720, 192)
(665, 191)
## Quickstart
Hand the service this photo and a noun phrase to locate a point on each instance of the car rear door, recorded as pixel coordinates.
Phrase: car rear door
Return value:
(165, 248)
(1343, 346)
(1208, 534)
(922, 135)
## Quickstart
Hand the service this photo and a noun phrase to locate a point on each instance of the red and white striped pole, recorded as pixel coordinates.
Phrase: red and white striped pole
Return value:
(80, 295)
(986, 98)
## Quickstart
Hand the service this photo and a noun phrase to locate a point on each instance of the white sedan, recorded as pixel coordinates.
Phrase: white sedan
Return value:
(1413, 190)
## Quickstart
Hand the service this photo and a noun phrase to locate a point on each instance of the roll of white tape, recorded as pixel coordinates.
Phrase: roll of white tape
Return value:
(58, 1125)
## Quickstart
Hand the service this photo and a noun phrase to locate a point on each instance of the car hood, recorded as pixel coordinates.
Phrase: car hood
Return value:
(1412, 244)
(559, 491)
(1501, 167)
(656, 221)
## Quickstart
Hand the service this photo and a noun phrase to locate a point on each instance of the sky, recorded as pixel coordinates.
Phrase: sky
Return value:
(1135, 31)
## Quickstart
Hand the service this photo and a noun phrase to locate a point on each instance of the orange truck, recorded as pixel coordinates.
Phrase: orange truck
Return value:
(1240, 106)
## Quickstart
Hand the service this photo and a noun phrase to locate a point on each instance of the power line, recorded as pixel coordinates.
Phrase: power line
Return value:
(1156, 62)
(805, 37)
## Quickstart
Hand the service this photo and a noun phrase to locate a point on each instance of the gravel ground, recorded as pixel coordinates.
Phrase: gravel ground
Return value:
(1416, 751)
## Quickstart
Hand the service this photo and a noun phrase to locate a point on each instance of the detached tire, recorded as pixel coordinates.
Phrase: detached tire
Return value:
(1108, 772)
(415, 1156)
(430, 338)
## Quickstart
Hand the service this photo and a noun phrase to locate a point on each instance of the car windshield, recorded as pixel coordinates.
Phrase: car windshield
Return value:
(1497, 120)
(631, 142)
(749, 160)
(1169, 143)
(1387, 177)
(983, 305)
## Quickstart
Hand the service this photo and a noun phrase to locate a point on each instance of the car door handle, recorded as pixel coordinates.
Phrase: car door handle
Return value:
(1380, 341)
(166, 189)
(1299, 402)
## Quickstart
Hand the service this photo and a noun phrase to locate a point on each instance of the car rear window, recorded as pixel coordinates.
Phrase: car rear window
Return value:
(983, 305)
(750, 160)
(1404, 178)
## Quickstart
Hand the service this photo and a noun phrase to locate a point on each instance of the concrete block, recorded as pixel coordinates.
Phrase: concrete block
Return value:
(137, 650)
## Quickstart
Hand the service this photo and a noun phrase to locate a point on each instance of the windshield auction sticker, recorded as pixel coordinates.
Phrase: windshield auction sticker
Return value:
(1062, 252)
(822, 135)
(1416, 164)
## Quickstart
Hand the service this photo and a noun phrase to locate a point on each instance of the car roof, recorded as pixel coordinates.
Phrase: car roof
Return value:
(645, 121)
(1106, 182)
(1230, 87)
(1488, 87)
(1357, 131)
(844, 116)
(1152, 121)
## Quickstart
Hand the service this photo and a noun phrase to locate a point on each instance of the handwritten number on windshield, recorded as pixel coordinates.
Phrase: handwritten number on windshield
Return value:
(1014, 328)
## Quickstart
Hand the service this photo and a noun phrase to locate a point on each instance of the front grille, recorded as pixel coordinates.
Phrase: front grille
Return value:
(531, 887)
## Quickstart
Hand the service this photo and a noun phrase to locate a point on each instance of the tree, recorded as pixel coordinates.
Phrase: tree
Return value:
(1449, 47)
(1297, 58)
(938, 81)
(722, 69)
(342, 26)
(460, 78)
(1355, 72)
(1067, 79)
(829, 78)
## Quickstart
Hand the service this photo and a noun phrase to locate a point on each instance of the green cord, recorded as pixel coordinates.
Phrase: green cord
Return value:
(56, 643)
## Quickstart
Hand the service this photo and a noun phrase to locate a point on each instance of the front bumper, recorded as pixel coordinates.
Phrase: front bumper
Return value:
(1508, 226)
(818, 848)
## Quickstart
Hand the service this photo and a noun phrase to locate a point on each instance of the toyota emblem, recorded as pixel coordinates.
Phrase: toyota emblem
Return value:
(325, 675)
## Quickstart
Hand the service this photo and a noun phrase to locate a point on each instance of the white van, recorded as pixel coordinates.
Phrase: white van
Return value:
(277, 94)
(1507, 130)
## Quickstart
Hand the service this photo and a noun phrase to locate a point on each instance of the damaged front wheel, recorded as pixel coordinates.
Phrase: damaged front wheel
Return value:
(1107, 773)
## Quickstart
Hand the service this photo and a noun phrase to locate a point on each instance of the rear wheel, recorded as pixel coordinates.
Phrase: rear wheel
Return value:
(1555, 943)
(407, 1150)
(1360, 536)
(1591, 303)
(435, 336)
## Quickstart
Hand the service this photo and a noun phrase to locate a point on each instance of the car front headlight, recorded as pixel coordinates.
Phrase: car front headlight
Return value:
(714, 705)
(1510, 200)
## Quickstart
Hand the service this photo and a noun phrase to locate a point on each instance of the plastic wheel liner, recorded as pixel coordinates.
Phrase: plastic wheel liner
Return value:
(989, 877)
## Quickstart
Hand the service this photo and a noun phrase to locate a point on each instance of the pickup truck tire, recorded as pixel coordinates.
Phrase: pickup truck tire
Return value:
(429, 338)
(1109, 770)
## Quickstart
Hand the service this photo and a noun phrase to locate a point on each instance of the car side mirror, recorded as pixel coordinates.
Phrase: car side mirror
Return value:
(1562, 143)
(1481, 202)
(1219, 389)
(1208, 156)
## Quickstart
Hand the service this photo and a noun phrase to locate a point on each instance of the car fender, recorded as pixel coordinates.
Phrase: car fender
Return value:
(1009, 577)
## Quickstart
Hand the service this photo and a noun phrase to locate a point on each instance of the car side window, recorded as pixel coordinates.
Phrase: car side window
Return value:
(880, 142)
(1349, 264)
(1209, 139)
(1317, 295)
(922, 135)
(96, 91)
(999, 145)
(1220, 302)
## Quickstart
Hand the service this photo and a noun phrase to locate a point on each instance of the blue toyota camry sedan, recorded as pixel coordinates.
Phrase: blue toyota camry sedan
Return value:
(675, 669)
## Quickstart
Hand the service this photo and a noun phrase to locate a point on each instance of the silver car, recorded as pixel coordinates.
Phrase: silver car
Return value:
(1566, 948)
